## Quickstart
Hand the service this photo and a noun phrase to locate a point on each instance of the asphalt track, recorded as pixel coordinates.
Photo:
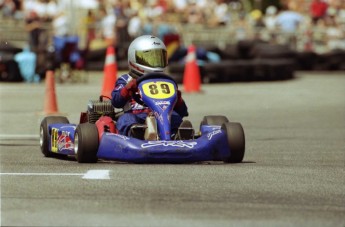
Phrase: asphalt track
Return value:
(293, 172)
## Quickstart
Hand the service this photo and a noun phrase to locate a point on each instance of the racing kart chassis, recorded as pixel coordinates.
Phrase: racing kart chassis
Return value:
(96, 136)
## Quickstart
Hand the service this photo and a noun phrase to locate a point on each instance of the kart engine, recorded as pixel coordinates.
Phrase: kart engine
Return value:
(98, 108)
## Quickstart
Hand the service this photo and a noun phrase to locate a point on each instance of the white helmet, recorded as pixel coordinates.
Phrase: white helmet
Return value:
(147, 54)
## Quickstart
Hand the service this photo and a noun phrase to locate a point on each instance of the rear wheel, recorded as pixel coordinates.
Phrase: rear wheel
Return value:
(44, 132)
(86, 143)
(236, 141)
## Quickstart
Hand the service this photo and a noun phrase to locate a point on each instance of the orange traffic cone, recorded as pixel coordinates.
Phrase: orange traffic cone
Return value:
(191, 77)
(110, 72)
(50, 103)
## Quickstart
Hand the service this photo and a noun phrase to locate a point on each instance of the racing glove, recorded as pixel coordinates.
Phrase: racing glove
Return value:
(130, 88)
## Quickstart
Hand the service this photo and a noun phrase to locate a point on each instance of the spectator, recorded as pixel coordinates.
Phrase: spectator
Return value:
(270, 18)
(242, 28)
(256, 19)
(51, 10)
(193, 14)
(335, 35)
(221, 13)
(60, 31)
(288, 22)
(134, 27)
(269, 22)
(28, 7)
(122, 13)
(8, 8)
(154, 9)
(318, 9)
(90, 25)
(180, 5)
(107, 26)
(33, 26)
(40, 9)
(60, 25)
(319, 37)
(341, 14)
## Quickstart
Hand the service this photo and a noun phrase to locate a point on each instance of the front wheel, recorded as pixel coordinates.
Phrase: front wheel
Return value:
(86, 143)
(236, 141)
(214, 120)
(44, 132)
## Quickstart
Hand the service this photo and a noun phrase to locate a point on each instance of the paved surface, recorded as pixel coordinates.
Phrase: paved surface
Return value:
(292, 175)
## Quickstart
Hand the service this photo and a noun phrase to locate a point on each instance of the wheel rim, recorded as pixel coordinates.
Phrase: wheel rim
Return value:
(41, 137)
(76, 144)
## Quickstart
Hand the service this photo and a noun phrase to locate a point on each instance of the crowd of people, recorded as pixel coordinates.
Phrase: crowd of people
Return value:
(319, 26)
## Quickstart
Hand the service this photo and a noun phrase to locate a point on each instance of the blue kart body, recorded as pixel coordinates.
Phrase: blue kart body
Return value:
(159, 94)
(212, 145)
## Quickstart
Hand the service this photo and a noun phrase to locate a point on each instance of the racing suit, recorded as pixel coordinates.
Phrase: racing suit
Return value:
(134, 113)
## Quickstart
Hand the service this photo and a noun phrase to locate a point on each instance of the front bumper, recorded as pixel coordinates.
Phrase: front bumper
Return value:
(210, 146)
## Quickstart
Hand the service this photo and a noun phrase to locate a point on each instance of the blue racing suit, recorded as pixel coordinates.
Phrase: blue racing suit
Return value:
(134, 113)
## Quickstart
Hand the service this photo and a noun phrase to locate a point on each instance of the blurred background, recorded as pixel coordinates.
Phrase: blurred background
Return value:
(235, 40)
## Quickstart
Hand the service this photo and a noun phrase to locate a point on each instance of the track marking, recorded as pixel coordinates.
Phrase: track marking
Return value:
(18, 137)
(97, 174)
(90, 174)
(42, 174)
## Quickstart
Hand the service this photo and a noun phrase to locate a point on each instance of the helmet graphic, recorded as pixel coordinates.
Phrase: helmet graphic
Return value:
(147, 54)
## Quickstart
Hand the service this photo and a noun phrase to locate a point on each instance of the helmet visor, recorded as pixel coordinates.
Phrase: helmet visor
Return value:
(156, 58)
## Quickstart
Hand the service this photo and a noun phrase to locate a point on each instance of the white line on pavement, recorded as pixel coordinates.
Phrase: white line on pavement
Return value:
(97, 174)
(18, 136)
(43, 174)
(90, 174)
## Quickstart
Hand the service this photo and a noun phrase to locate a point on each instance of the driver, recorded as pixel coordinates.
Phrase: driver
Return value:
(146, 54)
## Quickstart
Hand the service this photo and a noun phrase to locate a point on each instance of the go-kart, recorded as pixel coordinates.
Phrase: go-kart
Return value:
(96, 136)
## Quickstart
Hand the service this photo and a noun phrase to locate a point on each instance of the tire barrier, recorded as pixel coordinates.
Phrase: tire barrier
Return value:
(241, 70)
(248, 60)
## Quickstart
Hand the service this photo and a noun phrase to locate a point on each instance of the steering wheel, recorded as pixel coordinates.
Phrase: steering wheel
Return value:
(148, 76)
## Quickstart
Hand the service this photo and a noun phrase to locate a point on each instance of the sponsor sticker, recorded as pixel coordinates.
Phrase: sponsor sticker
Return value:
(169, 144)
(60, 140)
(213, 133)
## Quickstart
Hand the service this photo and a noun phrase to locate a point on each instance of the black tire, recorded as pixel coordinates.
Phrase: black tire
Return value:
(45, 134)
(236, 141)
(86, 143)
(214, 120)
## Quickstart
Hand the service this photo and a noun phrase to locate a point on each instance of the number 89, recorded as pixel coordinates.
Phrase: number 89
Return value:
(164, 88)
